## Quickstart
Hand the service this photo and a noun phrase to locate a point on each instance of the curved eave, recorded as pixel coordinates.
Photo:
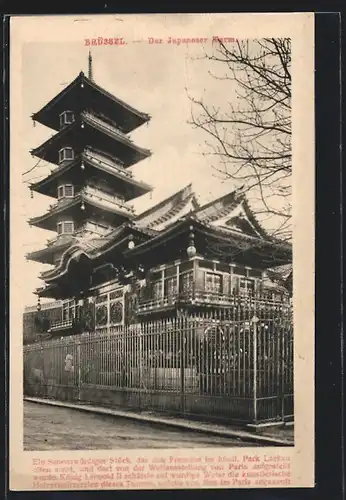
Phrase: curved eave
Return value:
(123, 235)
(73, 254)
(115, 135)
(254, 221)
(277, 252)
(177, 228)
(48, 186)
(46, 255)
(78, 138)
(138, 187)
(270, 252)
(50, 292)
(49, 220)
(141, 116)
(117, 241)
(128, 117)
(226, 233)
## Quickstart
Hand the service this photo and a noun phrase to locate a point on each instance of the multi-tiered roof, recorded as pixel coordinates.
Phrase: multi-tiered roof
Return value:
(100, 236)
(91, 151)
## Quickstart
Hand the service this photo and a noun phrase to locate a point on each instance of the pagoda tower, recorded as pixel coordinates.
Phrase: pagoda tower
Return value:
(90, 153)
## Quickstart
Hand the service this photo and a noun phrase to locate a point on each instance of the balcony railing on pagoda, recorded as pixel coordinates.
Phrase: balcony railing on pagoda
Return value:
(59, 239)
(95, 156)
(59, 203)
(105, 125)
(206, 297)
(105, 197)
(91, 192)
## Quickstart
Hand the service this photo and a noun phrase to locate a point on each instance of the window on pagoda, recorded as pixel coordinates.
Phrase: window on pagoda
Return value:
(213, 283)
(65, 227)
(65, 191)
(66, 154)
(68, 190)
(66, 118)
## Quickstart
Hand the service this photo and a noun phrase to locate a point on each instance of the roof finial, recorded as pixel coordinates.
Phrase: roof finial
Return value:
(90, 67)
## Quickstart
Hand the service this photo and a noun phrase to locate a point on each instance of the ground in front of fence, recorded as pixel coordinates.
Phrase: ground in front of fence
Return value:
(51, 428)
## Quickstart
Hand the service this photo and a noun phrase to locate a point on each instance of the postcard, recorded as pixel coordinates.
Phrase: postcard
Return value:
(161, 251)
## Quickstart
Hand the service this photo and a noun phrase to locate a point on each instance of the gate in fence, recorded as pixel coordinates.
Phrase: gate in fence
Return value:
(232, 364)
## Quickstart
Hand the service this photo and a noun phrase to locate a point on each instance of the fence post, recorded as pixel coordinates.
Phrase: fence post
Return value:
(79, 369)
(283, 370)
(182, 362)
(254, 367)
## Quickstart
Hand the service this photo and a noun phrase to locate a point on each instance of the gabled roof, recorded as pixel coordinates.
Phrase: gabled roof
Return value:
(82, 93)
(217, 208)
(231, 212)
(168, 210)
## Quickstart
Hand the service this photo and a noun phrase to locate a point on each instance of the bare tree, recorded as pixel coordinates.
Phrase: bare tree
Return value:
(250, 136)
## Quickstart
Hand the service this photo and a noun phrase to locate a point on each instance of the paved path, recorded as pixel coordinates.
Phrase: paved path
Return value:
(53, 428)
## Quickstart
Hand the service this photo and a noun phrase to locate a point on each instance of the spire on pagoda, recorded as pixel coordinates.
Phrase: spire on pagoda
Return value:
(90, 67)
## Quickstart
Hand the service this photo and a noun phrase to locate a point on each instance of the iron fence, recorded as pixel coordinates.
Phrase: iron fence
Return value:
(234, 364)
